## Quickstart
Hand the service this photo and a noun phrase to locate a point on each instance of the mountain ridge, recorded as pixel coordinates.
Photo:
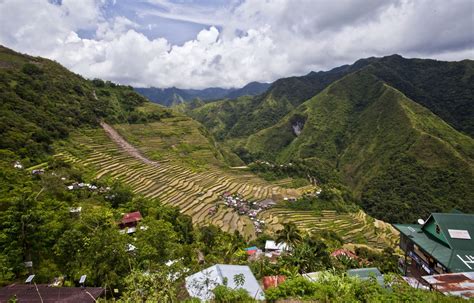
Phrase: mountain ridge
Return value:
(174, 96)
(361, 127)
(455, 106)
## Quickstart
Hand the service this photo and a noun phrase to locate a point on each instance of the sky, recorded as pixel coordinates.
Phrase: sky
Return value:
(217, 43)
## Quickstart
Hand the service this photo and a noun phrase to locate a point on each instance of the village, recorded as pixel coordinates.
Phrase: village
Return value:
(246, 208)
(421, 268)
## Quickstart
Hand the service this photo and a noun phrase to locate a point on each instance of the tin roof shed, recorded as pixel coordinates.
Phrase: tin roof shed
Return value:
(455, 284)
(201, 284)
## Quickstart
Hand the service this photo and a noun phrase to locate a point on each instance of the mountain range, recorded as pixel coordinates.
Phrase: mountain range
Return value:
(397, 131)
(174, 96)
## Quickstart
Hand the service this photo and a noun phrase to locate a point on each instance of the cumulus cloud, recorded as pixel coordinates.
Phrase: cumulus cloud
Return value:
(246, 41)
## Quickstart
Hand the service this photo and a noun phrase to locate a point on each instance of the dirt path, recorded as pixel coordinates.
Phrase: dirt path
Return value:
(127, 147)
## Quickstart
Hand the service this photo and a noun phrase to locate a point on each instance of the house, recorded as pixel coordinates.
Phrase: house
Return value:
(442, 244)
(367, 273)
(130, 219)
(272, 247)
(130, 248)
(252, 250)
(201, 284)
(44, 293)
(267, 203)
(75, 210)
(272, 281)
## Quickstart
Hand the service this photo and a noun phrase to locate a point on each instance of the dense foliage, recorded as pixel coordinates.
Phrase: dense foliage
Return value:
(36, 225)
(408, 191)
(446, 88)
(41, 101)
(330, 287)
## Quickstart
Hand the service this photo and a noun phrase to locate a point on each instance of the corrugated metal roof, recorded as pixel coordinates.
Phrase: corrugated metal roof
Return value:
(131, 217)
(367, 273)
(456, 284)
(28, 293)
(272, 281)
(344, 252)
(201, 284)
(364, 272)
(272, 245)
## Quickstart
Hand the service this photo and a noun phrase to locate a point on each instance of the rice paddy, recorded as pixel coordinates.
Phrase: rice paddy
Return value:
(191, 175)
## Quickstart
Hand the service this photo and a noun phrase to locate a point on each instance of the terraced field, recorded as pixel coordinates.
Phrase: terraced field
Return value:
(355, 228)
(194, 191)
(186, 170)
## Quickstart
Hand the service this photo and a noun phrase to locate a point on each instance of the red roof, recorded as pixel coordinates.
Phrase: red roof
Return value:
(131, 217)
(344, 252)
(272, 281)
(28, 294)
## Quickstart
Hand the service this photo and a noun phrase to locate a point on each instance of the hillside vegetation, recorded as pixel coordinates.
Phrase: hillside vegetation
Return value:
(41, 101)
(239, 118)
(445, 88)
(373, 135)
(391, 150)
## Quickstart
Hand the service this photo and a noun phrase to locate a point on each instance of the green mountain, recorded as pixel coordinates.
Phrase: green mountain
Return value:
(401, 159)
(175, 96)
(445, 88)
(370, 133)
(246, 115)
(41, 101)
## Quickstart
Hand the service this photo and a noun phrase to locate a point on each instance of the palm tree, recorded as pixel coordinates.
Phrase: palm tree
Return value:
(290, 235)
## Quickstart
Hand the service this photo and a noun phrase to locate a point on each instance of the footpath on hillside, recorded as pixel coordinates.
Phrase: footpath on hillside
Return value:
(127, 147)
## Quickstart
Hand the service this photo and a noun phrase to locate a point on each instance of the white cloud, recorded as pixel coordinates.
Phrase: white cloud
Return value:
(256, 40)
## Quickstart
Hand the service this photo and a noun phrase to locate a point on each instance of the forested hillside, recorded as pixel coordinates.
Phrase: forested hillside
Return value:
(401, 160)
(41, 101)
(246, 115)
(445, 88)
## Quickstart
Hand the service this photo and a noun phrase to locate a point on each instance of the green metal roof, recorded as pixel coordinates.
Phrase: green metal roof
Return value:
(456, 221)
(457, 254)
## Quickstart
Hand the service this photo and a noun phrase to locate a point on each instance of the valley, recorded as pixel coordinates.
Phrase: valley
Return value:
(156, 171)
(303, 178)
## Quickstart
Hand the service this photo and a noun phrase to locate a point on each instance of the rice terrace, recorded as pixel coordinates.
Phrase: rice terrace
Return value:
(236, 151)
(152, 165)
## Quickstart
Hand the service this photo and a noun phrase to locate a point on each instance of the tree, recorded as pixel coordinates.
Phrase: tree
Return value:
(309, 255)
(150, 287)
(156, 241)
(290, 235)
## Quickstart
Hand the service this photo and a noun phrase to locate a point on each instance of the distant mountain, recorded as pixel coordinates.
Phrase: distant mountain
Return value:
(251, 89)
(173, 96)
(397, 131)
